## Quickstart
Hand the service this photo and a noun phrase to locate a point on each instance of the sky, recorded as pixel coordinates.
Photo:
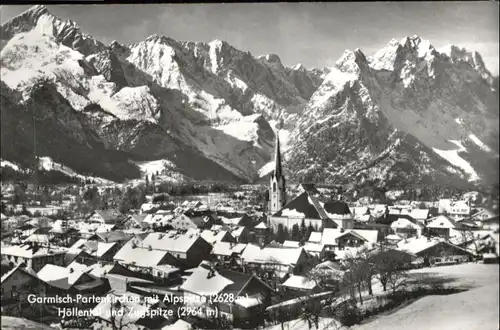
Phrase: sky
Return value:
(314, 34)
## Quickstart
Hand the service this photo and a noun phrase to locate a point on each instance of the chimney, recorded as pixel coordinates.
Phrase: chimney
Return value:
(71, 270)
(211, 273)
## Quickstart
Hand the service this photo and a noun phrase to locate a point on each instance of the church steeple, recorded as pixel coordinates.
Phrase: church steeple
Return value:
(277, 195)
(277, 158)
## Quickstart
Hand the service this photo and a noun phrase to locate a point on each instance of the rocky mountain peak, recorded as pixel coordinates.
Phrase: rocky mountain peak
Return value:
(65, 31)
(353, 62)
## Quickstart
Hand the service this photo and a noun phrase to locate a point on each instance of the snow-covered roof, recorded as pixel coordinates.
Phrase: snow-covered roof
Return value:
(347, 252)
(79, 244)
(315, 237)
(78, 266)
(330, 235)
(102, 248)
(261, 225)
(442, 221)
(237, 231)
(393, 237)
(314, 247)
(140, 256)
(213, 237)
(268, 255)
(99, 270)
(417, 244)
(38, 238)
(420, 214)
(170, 242)
(26, 270)
(180, 324)
(51, 273)
(299, 282)
(231, 221)
(405, 223)
(249, 301)
(294, 244)
(227, 248)
(305, 206)
(25, 251)
(200, 283)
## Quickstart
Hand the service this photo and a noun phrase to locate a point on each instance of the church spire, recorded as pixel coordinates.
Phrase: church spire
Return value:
(277, 158)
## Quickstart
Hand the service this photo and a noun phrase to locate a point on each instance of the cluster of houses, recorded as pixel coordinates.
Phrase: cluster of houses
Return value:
(194, 251)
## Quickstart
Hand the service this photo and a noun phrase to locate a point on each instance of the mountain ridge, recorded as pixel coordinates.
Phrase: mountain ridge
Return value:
(181, 100)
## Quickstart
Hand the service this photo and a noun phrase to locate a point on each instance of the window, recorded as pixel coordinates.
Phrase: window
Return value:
(274, 186)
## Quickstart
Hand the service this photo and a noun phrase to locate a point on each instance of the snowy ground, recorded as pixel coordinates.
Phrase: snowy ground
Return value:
(475, 309)
(14, 323)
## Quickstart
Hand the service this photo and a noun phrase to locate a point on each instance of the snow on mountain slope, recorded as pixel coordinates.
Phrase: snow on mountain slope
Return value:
(454, 158)
(47, 164)
(6, 163)
(393, 117)
(479, 143)
(210, 108)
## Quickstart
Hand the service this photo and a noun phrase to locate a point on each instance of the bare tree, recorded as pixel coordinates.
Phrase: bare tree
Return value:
(119, 315)
(389, 267)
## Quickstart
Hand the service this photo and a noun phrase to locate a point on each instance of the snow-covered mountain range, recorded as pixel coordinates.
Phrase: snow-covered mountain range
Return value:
(209, 110)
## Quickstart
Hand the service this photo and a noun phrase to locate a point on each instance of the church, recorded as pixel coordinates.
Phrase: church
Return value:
(309, 206)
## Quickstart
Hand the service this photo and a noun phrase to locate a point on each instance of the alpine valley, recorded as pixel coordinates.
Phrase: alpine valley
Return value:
(208, 111)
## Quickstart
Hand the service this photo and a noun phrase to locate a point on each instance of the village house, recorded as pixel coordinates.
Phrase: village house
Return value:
(160, 264)
(392, 239)
(32, 255)
(116, 236)
(228, 253)
(443, 226)
(106, 217)
(454, 209)
(17, 284)
(291, 244)
(301, 284)
(435, 251)
(339, 239)
(240, 233)
(272, 262)
(136, 221)
(215, 236)
(71, 280)
(407, 227)
(188, 249)
(481, 214)
(249, 295)
(100, 251)
(492, 224)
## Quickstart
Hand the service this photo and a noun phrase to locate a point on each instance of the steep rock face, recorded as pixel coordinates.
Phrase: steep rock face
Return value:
(408, 113)
(66, 32)
(55, 118)
(156, 96)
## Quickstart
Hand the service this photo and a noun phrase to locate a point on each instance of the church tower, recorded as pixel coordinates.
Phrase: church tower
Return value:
(277, 196)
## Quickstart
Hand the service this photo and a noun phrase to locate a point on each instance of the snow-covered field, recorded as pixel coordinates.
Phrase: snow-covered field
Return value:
(14, 323)
(475, 309)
